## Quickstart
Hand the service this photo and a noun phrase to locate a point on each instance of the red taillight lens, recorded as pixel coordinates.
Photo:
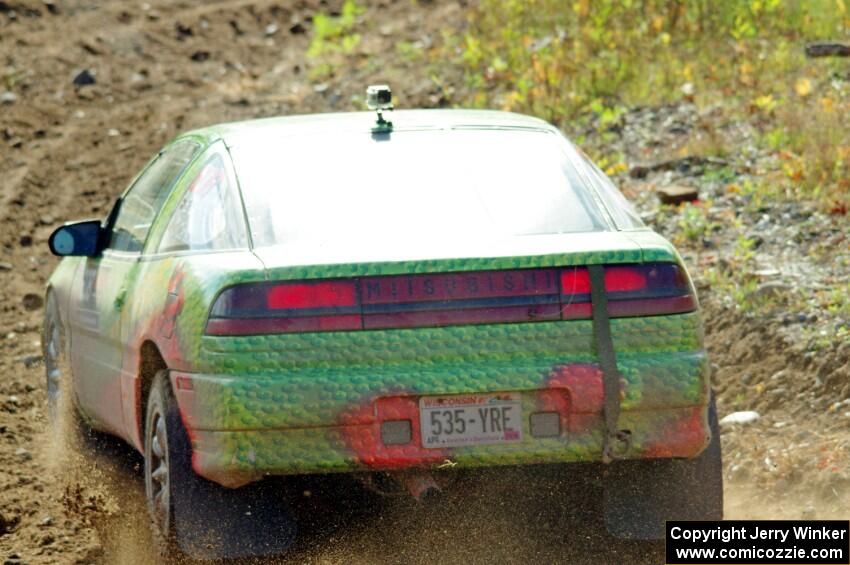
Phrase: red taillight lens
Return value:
(286, 307)
(633, 290)
(625, 279)
(447, 299)
(322, 294)
(648, 290)
(575, 281)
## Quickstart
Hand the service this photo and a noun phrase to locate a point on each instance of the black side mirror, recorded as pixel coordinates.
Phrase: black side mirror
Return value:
(77, 238)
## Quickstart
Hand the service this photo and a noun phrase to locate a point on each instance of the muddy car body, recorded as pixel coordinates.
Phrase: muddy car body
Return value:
(312, 295)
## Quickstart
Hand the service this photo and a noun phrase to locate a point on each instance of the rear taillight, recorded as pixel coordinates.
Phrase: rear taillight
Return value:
(304, 306)
(648, 290)
(312, 295)
(448, 299)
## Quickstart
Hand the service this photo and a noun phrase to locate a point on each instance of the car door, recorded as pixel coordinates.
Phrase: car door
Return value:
(101, 289)
(206, 217)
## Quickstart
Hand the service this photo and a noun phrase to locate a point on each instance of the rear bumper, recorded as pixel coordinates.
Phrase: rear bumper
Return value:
(245, 427)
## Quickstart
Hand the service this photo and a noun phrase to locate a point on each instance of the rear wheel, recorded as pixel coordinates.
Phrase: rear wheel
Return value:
(639, 495)
(195, 517)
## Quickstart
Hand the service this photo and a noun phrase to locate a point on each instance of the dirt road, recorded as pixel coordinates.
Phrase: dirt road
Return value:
(91, 89)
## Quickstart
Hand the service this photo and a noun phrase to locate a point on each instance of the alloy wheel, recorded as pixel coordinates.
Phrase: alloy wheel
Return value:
(157, 476)
(53, 362)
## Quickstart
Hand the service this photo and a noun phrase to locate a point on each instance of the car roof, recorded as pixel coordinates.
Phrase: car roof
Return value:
(311, 124)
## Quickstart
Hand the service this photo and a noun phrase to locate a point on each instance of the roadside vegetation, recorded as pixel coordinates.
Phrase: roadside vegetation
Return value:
(773, 124)
(333, 38)
(567, 61)
(718, 95)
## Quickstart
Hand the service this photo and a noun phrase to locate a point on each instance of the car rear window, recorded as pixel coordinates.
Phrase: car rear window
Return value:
(461, 183)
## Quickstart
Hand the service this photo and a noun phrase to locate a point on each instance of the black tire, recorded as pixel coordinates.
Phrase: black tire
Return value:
(639, 495)
(66, 423)
(196, 518)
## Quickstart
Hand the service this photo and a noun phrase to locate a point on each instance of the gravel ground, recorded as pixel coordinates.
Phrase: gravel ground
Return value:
(145, 71)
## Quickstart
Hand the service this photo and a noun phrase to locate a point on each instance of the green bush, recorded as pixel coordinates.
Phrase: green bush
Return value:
(554, 58)
(562, 60)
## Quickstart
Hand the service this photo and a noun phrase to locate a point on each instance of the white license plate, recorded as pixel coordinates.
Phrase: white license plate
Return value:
(470, 419)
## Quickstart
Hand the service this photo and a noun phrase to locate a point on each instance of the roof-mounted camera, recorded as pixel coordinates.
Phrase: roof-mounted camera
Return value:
(379, 97)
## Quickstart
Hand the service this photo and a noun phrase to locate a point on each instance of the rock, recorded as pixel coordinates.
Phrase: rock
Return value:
(32, 301)
(30, 360)
(8, 97)
(767, 273)
(90, 48)
(234, 25)
(738, 473)
(47, 539)
(25, 240)
(23, 454)
(757, 240)
(183, 30)
(649, 216)
(744, 417)
(297, 28)
(84, 78)
(639, 171)
(781, 375)
(677, 194)
(770, 290)
(8, 522)
(200, 56)
(271, 29)
(6, 266)
(828, 49)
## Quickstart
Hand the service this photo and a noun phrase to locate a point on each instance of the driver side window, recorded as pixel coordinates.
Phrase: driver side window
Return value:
(141, 204)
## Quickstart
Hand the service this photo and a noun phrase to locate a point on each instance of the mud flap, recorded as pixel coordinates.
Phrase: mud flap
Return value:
(212, 522)
(639, 495)
(616, 441)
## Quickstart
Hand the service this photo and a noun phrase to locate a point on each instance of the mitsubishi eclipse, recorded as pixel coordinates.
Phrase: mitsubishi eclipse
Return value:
(399, 298)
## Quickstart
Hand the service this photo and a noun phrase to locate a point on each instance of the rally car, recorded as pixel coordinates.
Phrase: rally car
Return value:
(385, 296)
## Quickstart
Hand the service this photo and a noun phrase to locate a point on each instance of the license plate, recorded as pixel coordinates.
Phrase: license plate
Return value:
(473, 419)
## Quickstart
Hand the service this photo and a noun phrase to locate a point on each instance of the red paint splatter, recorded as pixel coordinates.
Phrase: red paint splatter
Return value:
(361, 431)
(683, 437)
(576, 392)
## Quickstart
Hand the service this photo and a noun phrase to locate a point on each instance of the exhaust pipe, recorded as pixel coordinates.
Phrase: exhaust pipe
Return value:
(420, 484)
